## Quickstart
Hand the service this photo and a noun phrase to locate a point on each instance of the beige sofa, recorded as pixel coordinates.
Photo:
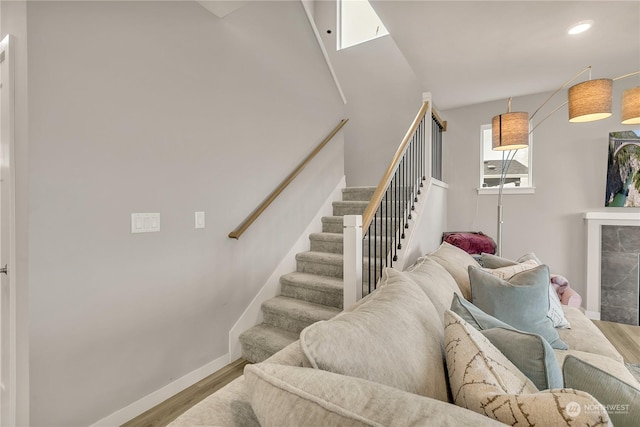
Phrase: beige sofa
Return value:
(384, 362)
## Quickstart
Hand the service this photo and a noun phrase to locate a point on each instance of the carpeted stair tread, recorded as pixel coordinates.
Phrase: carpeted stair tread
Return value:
(314, 288)
(262, 341)
(304, 311)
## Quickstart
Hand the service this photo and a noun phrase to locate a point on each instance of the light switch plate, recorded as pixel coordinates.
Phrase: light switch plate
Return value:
(145, 222)
(199, 219)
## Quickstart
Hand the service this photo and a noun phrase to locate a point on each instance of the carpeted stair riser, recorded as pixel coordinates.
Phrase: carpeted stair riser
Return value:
(334, 243)
(323, 264)
(294, 315)
(335, 224)
(358, 193)
(349, 208)
(313, 288)
(262, 341)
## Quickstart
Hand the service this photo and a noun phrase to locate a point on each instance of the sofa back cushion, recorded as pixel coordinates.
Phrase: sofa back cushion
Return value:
(456, 262)
(393, 338)
(435, 282)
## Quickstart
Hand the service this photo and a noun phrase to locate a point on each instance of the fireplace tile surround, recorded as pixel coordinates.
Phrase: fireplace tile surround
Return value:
(619, 287)
(613, 251)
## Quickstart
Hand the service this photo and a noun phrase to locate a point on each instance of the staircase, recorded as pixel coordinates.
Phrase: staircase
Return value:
(314, 291)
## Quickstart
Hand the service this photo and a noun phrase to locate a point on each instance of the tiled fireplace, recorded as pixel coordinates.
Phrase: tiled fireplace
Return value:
(613, 258)
(619, 276)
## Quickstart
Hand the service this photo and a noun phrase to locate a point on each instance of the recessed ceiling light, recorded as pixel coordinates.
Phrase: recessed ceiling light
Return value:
(580, 27)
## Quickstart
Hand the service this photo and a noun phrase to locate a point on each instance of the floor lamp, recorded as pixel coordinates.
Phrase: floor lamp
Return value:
(588, 101)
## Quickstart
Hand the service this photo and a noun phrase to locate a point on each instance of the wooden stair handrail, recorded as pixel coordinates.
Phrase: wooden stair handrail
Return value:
(442, 123)
(235, 234)
(368, 214)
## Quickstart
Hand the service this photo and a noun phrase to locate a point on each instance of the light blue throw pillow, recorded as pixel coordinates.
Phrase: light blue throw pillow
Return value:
(621, 400)
(531, 353)
(522, 301)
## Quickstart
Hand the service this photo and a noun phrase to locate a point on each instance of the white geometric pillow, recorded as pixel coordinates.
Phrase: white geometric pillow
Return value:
(483, 380)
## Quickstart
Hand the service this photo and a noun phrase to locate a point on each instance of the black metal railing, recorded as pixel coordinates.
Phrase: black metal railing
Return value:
(386, 219)
(437, 127)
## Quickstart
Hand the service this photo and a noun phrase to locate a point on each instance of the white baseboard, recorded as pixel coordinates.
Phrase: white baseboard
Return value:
(252, 315)
(140, 406)
(593, 315)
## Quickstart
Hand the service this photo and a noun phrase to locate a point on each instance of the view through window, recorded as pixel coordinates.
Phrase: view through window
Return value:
(519, 173)
(358, 23)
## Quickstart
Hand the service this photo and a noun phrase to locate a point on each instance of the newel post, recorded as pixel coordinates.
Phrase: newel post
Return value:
(352, 270)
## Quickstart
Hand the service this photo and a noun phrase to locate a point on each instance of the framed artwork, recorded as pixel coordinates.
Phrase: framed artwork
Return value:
(623, 169)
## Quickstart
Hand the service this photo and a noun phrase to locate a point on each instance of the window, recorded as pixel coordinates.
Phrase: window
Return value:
(358, 23)
(518, 178)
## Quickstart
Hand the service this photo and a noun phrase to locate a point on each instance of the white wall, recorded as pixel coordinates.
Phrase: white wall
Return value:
(383, 97)
(14, 21)
(569, 166)
(160, 107)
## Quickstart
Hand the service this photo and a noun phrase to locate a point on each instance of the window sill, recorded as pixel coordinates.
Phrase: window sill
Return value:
(507, 190)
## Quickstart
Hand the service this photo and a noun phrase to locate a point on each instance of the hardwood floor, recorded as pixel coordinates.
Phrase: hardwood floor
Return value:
(167, 411)
(625, 338)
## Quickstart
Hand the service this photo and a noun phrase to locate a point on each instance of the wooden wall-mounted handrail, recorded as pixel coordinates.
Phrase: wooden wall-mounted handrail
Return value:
(368, 214)
(235, 234)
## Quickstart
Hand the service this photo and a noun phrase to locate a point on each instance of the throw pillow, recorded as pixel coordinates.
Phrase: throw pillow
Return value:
(508, 271)
(483, 380)
(522, 302)
(621, 400)
(367, 342)
(456, 262)
(474, 316)
(283, 395)
(528, 352)
(495, 261)
(435, 282)
(527, 262)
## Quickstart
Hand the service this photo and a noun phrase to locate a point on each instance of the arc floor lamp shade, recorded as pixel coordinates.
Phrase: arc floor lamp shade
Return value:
(510, 131)
(590, 100)
(631, 106)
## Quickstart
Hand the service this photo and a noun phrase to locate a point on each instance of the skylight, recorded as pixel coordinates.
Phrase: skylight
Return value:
(358, 23)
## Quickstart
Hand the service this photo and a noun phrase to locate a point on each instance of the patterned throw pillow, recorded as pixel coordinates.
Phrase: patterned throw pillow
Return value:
(483, 380)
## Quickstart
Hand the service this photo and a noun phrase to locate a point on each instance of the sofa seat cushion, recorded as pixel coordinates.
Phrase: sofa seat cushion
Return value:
(483, 380)
(456, 262)
(394, 338)
(621, 399)
(228, 407)
(585, 336)
(292, 396)
(522, 301)
(435, 282)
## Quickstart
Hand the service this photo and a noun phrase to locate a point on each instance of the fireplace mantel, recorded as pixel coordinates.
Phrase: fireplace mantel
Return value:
(594, 222)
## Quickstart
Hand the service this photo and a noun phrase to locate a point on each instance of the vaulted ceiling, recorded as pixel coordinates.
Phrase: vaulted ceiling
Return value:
(467, 52)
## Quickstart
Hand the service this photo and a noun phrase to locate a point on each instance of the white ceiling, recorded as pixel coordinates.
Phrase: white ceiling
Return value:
(467, 52)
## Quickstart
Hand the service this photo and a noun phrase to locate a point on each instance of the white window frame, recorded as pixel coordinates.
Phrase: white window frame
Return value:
(529, 189)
